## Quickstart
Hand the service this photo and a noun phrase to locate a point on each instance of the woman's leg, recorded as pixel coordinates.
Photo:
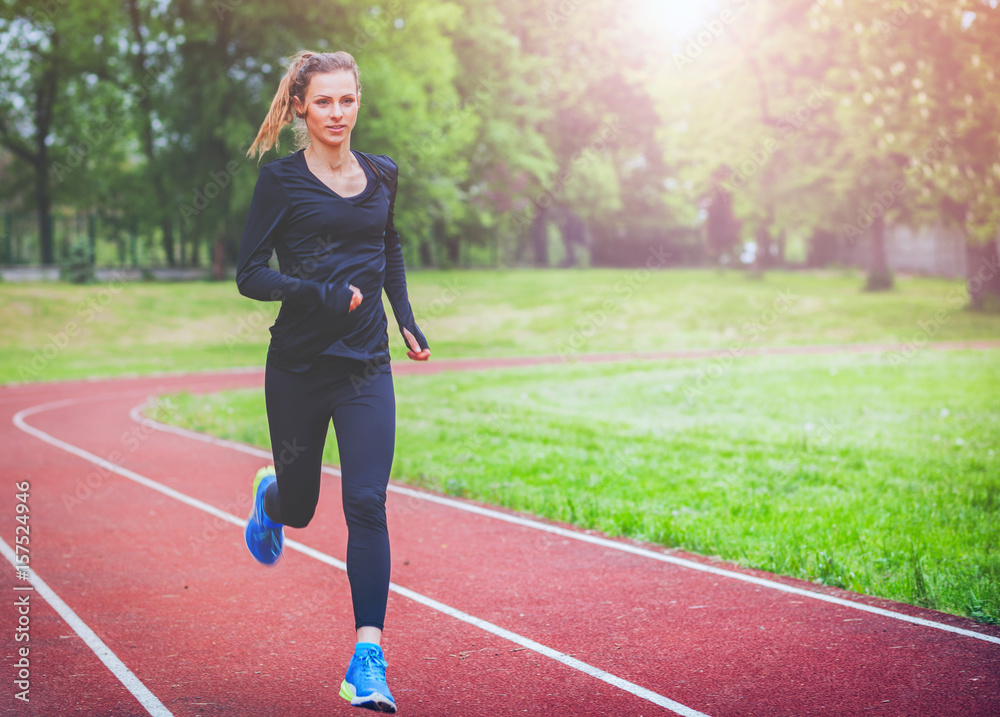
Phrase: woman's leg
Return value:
(298, 417)
(365, 422)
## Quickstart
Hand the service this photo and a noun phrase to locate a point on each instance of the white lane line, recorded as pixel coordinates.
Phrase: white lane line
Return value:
(572, 662)
(614, 680)
(132, 683)
(136, 415)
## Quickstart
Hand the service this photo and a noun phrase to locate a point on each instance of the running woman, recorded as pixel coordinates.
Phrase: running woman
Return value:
(327, 211)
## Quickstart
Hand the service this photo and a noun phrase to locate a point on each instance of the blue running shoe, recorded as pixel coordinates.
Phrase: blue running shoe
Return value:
(364, 685)
(264, 537)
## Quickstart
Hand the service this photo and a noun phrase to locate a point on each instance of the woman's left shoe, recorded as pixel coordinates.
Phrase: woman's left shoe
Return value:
(265, 538)
(364, 685)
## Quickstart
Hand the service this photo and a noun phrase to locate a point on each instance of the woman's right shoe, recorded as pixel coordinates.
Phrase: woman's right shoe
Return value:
(364, 685)
(264, 537)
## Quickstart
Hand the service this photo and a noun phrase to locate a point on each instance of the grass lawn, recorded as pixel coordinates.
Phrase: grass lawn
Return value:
(842, 469)
(54, 331)
(878, 473)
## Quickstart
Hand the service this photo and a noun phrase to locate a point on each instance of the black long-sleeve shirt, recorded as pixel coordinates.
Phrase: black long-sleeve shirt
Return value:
(324, 242)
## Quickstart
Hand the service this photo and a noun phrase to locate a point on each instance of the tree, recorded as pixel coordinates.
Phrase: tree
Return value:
(972, 184)
(416, 114)
(149, 61)
(749, 121)
(48, 51)
(924, 140)
(501, 99)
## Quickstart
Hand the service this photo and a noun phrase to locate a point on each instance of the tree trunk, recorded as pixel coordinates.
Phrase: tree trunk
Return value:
(574, 233)
(43, 205)
(426, 251)
(879, 278)
(982, 272)
(194, 241)
(139, 62)
(218, 257)
(182, 245)
(763, 256)
(540, 237)
(168, 240)
(722, 228)
(45, 98)
(453, 250)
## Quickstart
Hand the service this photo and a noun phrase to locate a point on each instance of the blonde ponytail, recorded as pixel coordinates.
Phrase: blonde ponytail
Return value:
(301, 67)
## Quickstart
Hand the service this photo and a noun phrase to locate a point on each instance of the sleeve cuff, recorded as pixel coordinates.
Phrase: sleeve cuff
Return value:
(338, 298)
(417, 334)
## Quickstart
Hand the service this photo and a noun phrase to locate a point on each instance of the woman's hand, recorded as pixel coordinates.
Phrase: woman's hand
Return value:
(416, 353)
(356, 299)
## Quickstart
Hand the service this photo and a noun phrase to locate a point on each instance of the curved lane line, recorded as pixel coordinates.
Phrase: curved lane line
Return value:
(136, 415)
(613, 680)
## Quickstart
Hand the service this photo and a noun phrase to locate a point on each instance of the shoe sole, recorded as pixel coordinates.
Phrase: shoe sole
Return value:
(376, 702)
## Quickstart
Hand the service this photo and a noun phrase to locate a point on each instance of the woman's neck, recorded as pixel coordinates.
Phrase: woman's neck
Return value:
(336, 158)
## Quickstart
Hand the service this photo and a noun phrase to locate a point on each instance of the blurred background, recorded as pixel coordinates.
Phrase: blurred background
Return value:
(752, 133)
(791, 204)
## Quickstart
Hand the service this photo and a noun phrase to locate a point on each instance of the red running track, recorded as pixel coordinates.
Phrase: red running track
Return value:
(136, 531)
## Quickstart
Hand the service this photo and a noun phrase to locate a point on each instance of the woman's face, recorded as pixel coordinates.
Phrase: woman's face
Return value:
(331, 107)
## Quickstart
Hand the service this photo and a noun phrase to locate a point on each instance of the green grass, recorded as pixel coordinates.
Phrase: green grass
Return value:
(841, 469)
(55, 331)
(873, 472)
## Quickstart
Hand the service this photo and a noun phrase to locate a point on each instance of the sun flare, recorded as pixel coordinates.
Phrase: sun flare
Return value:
(672, 18)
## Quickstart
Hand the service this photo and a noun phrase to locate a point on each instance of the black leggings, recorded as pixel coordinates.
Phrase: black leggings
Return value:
(359, 397)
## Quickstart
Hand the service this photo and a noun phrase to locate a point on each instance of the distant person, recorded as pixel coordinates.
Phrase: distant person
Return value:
(327, 210)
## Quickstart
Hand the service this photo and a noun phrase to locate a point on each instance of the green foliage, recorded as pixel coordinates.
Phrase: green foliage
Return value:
(814, 117)
(78, 267)
(490, 313)
(883, 482)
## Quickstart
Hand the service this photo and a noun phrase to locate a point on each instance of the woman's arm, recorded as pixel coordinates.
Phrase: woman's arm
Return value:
(395, 272)
(269, 211)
